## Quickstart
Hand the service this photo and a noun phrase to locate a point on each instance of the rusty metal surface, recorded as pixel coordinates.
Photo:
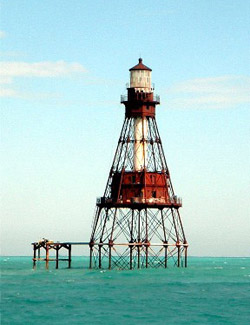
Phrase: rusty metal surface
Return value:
(47, 246)
(140, 66)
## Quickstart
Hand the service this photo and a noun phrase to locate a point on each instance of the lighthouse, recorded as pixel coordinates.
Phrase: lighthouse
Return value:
(140, 81)
(137, 223)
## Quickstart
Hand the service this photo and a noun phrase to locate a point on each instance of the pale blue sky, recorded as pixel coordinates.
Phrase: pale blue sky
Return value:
(64, 66)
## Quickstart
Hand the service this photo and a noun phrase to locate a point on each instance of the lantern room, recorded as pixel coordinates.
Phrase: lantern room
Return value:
(140, 77)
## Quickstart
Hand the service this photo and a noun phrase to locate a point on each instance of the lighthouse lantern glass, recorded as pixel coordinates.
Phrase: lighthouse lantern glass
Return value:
(141, 80)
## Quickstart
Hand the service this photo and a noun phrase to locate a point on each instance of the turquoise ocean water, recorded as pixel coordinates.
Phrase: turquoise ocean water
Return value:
(209, 291)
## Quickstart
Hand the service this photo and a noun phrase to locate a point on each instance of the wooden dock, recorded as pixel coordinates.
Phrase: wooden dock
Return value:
(47, 246)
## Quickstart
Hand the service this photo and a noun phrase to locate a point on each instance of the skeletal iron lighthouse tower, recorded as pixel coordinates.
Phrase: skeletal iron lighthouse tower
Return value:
(137, 222)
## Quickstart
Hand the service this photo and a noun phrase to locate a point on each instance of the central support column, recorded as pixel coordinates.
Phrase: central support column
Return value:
(140, 147)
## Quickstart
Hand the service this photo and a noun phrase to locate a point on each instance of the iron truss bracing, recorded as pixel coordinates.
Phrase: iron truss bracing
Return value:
(130, 238)
(137, 237)
(124, 155)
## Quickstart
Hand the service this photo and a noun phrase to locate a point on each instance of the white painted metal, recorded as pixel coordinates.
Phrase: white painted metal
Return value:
(141, 80)
(140, 146)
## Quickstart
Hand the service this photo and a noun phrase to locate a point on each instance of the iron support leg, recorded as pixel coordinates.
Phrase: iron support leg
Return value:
(100, 256)
(185, 256)
(138, 260)
(47, 256)
(179, 256)
(34, 257)
(131, 258)
(57, 256)
(90, 257)
(69, 262)
(166, 257)
(146, 212)
(110, 257)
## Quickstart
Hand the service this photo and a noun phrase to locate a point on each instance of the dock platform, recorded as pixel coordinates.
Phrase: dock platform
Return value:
(49, 245)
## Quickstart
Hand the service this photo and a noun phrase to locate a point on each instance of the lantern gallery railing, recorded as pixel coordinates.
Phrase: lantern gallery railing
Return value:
(156, 98)
(173, 201)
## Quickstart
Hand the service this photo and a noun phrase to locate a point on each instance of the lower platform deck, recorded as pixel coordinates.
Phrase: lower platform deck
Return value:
(47, 246)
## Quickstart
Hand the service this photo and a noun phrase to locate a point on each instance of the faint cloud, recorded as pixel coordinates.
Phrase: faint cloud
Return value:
(5, 80)
(40, 69)
(12, 54)
(211, 93)
(7, 92)
(12, 93)
(2, 34)
(11, 70)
